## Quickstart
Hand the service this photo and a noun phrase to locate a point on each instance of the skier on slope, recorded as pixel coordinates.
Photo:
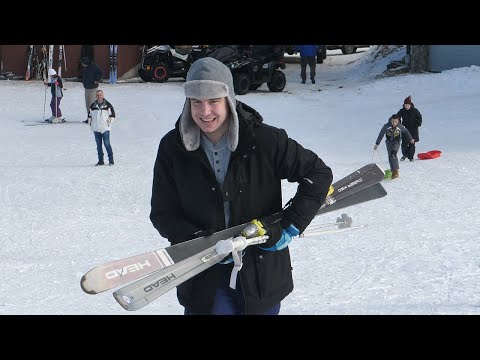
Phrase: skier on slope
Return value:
(221, 167)
(56, 86)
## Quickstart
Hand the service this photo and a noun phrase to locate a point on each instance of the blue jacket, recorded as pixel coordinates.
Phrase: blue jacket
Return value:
(307, 50)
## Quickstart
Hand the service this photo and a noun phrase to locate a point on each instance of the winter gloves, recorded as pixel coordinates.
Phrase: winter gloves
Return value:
(285, 238)
(279, 234)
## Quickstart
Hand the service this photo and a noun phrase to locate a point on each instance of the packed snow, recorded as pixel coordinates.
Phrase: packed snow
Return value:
(419, 252)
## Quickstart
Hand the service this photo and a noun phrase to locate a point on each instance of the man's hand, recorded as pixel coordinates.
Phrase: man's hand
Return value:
(286, 237)
(279, 234)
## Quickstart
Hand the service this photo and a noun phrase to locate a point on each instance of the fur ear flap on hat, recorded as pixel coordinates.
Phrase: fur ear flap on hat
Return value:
(408, 100)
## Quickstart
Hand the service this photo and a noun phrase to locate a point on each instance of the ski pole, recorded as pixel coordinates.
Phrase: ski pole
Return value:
(56, 101)
(44, 102)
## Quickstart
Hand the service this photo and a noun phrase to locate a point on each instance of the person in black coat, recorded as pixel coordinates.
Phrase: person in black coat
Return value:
(92, 75)
(221, 166)
(411, 118)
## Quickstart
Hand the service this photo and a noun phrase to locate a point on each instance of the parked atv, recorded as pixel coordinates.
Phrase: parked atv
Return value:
(253, 66)
(161, 62)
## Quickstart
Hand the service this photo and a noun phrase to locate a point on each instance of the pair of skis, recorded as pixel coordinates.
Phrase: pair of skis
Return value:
(45, 64)
(113, 50)
(159, 271)
(29, 61)
(62, 61)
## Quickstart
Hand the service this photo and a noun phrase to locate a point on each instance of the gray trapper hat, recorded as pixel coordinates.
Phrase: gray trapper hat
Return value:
(208, 78)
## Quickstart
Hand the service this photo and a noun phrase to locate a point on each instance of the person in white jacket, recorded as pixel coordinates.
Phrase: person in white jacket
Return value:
(100, 119)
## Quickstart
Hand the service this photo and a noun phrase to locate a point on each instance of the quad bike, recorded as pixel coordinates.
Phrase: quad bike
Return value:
(251, 67)
(161, 62)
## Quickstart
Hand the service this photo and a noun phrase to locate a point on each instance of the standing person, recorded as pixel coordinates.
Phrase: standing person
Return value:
(308, 55)
(91, 77)
(56, 87)
(411, 118)
(393, 131)
(100, 119)
(219, 167)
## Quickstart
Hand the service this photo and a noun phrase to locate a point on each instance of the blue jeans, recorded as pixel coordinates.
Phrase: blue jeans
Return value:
(105, 137)
(230, 301)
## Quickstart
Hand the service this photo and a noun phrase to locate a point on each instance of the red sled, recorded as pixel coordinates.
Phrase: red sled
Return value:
(429, 155)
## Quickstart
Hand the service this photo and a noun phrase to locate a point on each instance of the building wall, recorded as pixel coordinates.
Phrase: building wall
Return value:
(14, 59)
(445, 57)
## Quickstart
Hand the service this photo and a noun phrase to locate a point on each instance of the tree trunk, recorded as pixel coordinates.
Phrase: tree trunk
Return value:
(419, 58)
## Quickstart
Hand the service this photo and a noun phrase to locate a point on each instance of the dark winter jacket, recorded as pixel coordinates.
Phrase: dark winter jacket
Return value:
(411, 119)
(91, 76)
(187, 198)
(393, 134)
(56, 88)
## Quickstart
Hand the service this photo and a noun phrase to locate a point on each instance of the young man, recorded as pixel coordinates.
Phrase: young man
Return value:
(411, 118)
(92, 75)
(220, 167)
(100, 119)
(393, 131)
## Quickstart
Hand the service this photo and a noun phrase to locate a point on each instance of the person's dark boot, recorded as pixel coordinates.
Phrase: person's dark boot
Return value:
(100, 162)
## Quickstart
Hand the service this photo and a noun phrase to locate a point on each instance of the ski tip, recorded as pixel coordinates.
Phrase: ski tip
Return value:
(85, 286)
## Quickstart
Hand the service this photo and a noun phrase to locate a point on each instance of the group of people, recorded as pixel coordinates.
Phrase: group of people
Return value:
(401, 130)
(221, 166)
(100, 112)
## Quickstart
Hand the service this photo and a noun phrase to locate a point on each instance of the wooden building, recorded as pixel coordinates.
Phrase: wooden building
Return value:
(13, 58)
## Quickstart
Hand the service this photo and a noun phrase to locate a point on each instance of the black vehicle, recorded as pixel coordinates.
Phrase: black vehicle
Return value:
(253, 66)
(161, 62)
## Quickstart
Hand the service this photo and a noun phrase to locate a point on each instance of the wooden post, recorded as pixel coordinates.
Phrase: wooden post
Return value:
(419, 58)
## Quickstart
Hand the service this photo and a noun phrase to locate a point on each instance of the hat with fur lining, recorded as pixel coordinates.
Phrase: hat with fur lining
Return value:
(208, 78)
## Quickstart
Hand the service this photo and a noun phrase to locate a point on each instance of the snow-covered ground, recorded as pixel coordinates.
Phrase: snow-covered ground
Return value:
(420, 253)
